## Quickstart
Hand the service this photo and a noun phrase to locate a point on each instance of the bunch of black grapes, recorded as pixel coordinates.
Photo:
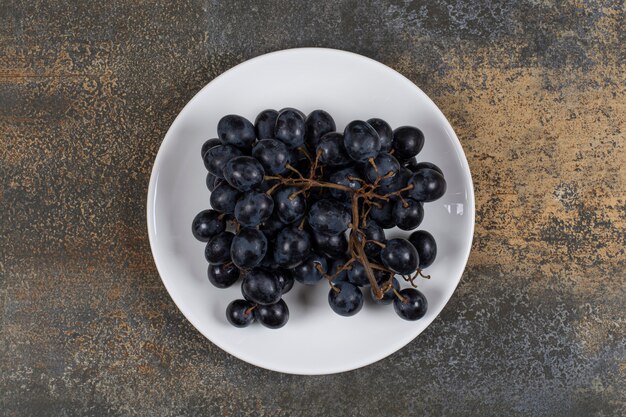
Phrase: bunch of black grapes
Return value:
(294, 200)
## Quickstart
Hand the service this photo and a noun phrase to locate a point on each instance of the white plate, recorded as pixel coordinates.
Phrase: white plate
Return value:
(348, 86)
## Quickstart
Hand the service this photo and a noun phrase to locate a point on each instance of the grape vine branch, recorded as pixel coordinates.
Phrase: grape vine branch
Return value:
(357, 238)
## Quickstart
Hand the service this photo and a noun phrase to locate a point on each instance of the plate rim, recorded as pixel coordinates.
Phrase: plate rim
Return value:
(150, 207)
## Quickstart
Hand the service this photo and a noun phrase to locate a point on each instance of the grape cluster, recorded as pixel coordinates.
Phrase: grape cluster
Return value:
(294, 200)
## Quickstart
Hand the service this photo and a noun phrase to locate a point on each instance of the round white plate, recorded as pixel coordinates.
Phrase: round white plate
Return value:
(348, 86)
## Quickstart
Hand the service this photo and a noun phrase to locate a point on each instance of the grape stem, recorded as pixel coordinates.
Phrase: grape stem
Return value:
(357, 240)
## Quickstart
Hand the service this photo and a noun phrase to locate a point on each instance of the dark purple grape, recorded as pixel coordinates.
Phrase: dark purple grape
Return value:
(212, 181)
(426, 247)
(408, 141)
(224, 198)
(239, 313)
(384, 133)
(331, 150)
(272, 226)
(207, 224)
(248, 248)
(348, 177)
(382, 213)
(292, 246)
(290, 128)
(408, 214)
(331, 246)
(236, 130)
(211, 143)
(361, 141)
(316, 125)
(216, 158)
(384, 165)
(285, 279)
(289, 205)
(265, 123)
(400, 256)
(217, 250)
(307, 272)
(388, 295)
(273, 156)
(328, 217)
(244, 173)
(357, 274)
(345, 299)
(223, 275)
(253, 208)
(272, 316)
(412, 306)
(373, 232)
(428, 185)
(397, 183)
(262, 286)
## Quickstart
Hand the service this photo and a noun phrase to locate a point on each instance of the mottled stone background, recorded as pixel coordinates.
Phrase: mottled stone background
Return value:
(536, 91)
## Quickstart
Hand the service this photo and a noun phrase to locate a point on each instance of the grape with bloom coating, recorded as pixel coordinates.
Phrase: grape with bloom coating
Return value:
(361, 141)
(412, 306)
(248, 248)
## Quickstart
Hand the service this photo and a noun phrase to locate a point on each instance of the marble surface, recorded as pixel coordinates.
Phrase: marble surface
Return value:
(536, 91)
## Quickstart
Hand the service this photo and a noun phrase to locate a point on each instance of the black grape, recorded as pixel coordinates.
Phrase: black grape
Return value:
(426, 247)
(382, 213)
(239, 313)
(212, 181)
(308, 273)
(272, 226)
(207, 224)
(217, 250)
(215, 159)
(316, 125)
(413, 306)
(224, 198)
(248, 248)
(408, 141)
(328, 217)
(211, 143)
(384, 165)
(236, 130)
(292, 246)
(285, 279)
(346, 300)
(244, 173)
(428, 185)
(273, 156)
(253, 208)
(265, 123)
(262, 286)
(400, 256)
(384, 133)
(348, 177)
(331, 150)
(361, 141)
(290, 128)
(408, 214)
(223, 275)
(289, 205)
(273, 316)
